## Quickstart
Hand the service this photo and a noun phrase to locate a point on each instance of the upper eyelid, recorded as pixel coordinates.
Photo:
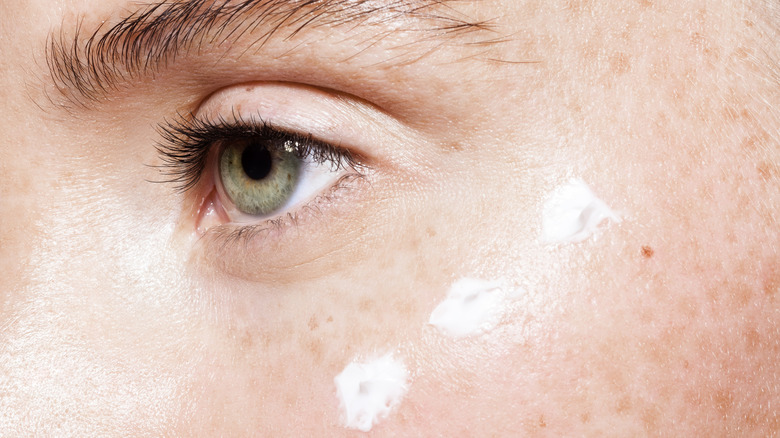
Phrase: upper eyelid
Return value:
(85, 70)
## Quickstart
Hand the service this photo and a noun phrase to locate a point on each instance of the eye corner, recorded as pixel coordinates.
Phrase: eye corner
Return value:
(210, 213)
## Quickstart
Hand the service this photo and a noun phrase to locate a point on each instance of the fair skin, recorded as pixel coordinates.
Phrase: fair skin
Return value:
(127, 310)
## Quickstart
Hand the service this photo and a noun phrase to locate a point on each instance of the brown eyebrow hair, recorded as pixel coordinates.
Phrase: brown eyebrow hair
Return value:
(85, 67)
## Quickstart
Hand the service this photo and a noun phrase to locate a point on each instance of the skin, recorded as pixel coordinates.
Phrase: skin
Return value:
(118, 318)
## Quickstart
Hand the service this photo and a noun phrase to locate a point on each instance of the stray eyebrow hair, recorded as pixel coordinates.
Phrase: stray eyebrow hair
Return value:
(85, 67)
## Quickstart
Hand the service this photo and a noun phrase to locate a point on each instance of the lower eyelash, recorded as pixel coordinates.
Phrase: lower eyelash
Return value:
(232, 234)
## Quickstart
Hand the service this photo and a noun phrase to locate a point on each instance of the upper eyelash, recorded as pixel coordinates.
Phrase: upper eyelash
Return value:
(187, 143)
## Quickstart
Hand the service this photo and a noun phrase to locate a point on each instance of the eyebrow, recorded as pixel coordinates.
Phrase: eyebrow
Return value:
(87, 66)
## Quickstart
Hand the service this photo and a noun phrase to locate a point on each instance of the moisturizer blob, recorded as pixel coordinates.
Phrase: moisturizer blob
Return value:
(472, 307)
(573, 213)
(369, 391)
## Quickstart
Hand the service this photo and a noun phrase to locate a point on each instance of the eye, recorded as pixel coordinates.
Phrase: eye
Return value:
(257, 172)
(258, 178)
(264, 175)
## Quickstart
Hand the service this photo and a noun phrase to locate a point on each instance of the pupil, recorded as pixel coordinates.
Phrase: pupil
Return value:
(256, 161)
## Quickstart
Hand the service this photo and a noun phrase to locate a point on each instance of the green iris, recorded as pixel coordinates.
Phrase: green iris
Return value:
(258, 178)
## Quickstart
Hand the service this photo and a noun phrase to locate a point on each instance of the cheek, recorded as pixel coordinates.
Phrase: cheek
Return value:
(285, 343)
(98, 331)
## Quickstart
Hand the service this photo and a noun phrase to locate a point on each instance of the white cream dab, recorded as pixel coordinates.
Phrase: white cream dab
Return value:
(573, 213)
(473, 306)
(369, 391)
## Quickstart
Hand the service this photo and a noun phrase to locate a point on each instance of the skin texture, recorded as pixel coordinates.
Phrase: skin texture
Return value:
(118, 318)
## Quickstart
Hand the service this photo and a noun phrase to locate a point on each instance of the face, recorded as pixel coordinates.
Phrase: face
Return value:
(416, 218)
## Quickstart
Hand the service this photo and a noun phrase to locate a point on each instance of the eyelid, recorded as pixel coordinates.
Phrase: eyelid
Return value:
(326, 115)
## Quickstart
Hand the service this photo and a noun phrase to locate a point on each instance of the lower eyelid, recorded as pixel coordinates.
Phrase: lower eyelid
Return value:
(230, 232)
(301, 245)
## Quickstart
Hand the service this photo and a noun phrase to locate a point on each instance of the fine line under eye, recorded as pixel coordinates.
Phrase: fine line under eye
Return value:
(187, 143)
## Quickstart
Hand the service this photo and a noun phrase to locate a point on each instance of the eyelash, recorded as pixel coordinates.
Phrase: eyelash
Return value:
(187, 143)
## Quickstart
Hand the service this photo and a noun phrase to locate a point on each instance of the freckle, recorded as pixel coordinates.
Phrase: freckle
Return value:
(542, 423)
(315, 348)
(741, 53)
(578, 6)
(742, 296)
(404, 307)
(247, 341)
(620, 63)
(772, 282)
(624, 405)
(313, 324)
(768, 171)
(724, 401)
(752, 340)
(330, 319)
(730, 114)
(647, 251)
(763, 171)
(365, 305)
(650, 418)
(453, 147)
(751, 142)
